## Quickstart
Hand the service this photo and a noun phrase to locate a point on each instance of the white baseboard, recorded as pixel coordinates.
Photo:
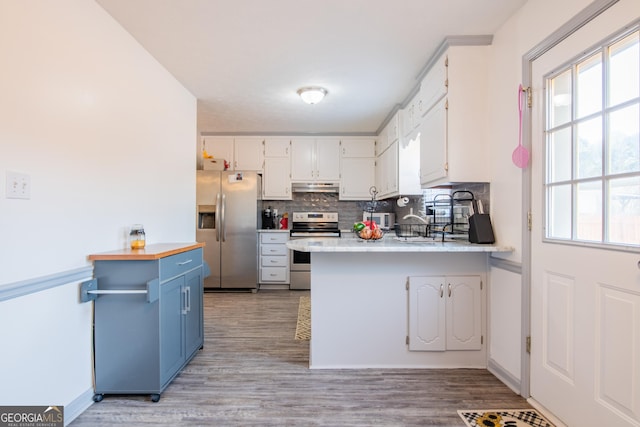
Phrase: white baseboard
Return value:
(78, 406)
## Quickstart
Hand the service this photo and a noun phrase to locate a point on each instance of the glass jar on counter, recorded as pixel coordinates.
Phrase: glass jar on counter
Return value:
(137, 237)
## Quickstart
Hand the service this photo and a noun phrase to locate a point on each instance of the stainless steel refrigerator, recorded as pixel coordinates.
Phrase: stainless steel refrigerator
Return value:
(227, 221)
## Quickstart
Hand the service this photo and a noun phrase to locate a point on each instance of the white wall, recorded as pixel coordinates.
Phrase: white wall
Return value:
(108, 138)
(529, 26)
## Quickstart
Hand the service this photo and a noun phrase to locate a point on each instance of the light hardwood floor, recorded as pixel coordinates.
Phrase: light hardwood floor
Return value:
(252, 372)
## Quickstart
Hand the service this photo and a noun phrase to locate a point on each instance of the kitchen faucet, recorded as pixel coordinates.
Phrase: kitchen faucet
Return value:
(424, 221)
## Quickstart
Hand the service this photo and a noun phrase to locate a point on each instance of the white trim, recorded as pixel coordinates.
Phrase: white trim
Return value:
(78, 406)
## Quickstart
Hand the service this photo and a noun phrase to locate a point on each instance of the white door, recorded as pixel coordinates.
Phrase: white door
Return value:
(585, 297)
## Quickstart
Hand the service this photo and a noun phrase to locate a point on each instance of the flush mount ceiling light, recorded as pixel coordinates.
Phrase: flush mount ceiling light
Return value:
(312, 94)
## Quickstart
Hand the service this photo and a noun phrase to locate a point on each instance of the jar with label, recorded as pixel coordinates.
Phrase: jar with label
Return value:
(137, 237)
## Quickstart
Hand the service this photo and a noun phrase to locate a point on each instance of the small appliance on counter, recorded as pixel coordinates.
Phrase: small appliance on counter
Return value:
(269, 217)
(384, 220)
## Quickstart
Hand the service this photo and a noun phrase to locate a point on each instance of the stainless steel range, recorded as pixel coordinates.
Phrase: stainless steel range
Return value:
(305, 225)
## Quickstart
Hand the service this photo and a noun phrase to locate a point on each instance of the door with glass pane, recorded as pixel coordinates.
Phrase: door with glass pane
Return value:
(585, 250)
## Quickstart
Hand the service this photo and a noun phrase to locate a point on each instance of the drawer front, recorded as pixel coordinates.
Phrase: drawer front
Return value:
(273, 274)
(273, 250)
(274, 261)
(178, 264)
(274, 237)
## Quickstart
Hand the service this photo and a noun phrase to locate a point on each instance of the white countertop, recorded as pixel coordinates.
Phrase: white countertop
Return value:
(273, 230)
(389, 244)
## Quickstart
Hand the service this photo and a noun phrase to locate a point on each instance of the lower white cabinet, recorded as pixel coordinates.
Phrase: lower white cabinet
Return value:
(445, 313)
(274, 257)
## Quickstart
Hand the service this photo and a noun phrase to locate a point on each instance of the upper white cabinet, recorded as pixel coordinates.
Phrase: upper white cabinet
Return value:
(315, 159)
(445, 313)
(433, 144)
(358, 147)
(276, 180)
(410, 116)
(220, 147)
(434, 84)
(387, 172)
(277, 147)
(453, 132)
(248, 154)
(357, 168)
(397, 168)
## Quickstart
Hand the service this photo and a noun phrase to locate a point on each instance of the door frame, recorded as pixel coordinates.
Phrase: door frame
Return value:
(574, 24)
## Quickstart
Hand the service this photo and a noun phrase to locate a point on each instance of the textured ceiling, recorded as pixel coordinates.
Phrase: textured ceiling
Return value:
(245, 59)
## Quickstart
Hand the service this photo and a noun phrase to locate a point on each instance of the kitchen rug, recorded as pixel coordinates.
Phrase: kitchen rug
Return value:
(504, 418)
(303, 327)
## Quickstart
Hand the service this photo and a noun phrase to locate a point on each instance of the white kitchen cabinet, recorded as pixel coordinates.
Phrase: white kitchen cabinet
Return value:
(276, 180)
(220, 147)
(453, 143)
(277, 147)
(410, 116)
(393, 129)
(382, 141)
(357, 147)
(433, 144)
(445, 313)
(274, 258)
(387, 172)
(397, 169)
(357, 177)
(357, 168)
(315, 159)
(434, 84)
(248, 154)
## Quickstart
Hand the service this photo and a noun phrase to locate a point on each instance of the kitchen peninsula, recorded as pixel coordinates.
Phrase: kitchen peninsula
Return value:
(397, 304)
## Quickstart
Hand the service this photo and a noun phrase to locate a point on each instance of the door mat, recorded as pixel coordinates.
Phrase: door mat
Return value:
(504, 418)
(303, 327)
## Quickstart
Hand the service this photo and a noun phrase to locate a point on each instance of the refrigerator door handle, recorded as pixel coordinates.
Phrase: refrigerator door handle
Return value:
(224, 219)
(218, 222)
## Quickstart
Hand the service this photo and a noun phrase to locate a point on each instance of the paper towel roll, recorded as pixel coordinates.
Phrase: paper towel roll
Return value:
(402, 201)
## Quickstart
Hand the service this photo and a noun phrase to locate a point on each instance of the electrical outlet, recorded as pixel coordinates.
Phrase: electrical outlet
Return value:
(18, 186)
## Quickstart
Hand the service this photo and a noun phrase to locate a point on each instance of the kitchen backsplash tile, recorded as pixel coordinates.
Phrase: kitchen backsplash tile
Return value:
(351, 211)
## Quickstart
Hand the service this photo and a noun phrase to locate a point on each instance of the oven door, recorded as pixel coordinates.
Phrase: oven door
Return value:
(300, 261)
(300, 268)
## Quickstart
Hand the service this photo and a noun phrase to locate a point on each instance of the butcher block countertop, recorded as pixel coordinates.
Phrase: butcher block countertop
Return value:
(150, 252)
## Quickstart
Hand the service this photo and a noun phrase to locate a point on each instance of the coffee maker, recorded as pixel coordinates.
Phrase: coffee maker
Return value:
(269, 217)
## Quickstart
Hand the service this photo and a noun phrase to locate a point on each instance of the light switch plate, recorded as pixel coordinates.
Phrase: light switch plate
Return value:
(18, 186)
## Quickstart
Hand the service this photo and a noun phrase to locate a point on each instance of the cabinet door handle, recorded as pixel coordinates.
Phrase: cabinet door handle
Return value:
(188, 298)
(441, 290)
(184, 301)
(184, 262)
(449, 286)
(273, 261)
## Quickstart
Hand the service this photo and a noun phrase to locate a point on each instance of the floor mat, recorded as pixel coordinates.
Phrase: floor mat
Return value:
(504, 418)
(303, 327)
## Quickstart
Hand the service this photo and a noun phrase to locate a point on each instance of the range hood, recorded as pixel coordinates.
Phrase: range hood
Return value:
(314, 187)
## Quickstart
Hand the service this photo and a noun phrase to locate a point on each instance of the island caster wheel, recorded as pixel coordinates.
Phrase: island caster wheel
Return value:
(98, 397)
(155, 397)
